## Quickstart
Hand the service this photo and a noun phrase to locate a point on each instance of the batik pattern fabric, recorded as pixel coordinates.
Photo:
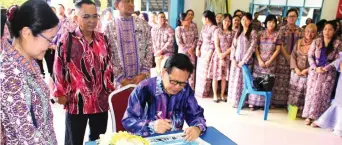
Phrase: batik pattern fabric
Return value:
(267, 47)
(280, 90)
(219, 69)
(320, 85)
(88, 75)
(163, 39)
(26, 115)
(131, 47)
(150, 102)
(207, 46)
(242, 51)
(187, 39)
(297, 90)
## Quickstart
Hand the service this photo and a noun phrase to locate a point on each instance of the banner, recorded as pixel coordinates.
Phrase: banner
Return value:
(339, 10)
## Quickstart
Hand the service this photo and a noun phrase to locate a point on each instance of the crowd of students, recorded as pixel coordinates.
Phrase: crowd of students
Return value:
(90, 55)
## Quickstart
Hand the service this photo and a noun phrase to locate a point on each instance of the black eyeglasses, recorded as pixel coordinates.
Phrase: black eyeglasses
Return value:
(174, 82)
(87, 17)
(41, 35)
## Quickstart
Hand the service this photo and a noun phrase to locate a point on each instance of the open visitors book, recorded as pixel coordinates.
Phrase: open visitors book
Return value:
(174, 139)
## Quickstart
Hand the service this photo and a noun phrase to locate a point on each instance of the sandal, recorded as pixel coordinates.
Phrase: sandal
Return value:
(314, 125)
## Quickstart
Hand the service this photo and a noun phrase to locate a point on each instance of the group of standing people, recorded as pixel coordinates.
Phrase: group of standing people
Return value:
(302, 61)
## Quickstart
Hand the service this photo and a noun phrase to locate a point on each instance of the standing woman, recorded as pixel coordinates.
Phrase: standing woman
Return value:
(186, 38)
(190, 17)
(204, 51)
(26, 115)
(300, 68)
(266, 55)
(243, 47)
(236, 23)
(322, 74)
(289, 34)
(219, 65)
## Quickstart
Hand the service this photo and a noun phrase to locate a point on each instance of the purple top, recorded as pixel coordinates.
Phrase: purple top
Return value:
(27, 117)
(323, 60)
(149, 102)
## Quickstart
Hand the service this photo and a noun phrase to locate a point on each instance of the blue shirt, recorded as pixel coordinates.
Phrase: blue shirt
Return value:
(149, 102)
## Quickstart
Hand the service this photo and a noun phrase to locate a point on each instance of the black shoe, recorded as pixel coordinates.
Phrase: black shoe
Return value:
(216, 101)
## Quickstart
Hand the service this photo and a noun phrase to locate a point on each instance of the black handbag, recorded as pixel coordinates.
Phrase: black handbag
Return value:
(264, 82)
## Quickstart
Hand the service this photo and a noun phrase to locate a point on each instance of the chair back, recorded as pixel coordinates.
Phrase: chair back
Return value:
(118, 101)
(247, 78)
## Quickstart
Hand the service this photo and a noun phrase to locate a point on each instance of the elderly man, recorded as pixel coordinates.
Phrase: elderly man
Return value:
(163, 103)
(131, 45)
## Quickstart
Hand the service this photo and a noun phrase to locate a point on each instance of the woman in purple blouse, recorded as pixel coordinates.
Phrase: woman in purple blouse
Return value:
(322, 74)
(26, 115)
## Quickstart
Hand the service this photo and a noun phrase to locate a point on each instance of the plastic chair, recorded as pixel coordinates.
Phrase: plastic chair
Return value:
(118, 101)
(248, 89)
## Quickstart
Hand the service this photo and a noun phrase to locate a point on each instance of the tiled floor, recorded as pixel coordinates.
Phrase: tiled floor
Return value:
(246, 129)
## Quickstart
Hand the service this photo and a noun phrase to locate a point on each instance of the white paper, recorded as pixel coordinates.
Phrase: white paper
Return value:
(174, 139)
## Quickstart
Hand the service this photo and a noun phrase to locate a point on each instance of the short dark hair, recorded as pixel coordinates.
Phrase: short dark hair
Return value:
(238, 10)
(79, 3)
(292, 10)
(137, 13)
(271, 18)
(180, 61)
(36, 15)
(161, 13)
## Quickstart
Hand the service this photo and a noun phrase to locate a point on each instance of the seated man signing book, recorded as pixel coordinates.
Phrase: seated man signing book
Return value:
(161, 104)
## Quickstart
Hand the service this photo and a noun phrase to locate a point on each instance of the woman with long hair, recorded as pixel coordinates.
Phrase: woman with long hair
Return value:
(243, 47)
(300, 68)
(26, 111)
(266, 55)
(288, 35)
(186, 38)
(204, 51)
(219, 65)
(322, 75)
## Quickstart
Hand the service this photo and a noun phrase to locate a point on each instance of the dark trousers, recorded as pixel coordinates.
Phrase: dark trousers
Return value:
(50, 59)
(76, 126)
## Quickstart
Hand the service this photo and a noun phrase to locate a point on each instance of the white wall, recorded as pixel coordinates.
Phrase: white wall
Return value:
(198, 7)
(329, 9)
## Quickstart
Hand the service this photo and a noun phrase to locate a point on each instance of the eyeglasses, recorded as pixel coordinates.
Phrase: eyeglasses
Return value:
(174, 82)
(41, 35)
(87, 17)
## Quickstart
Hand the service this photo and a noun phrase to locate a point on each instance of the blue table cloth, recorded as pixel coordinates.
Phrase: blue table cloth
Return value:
(212, 136)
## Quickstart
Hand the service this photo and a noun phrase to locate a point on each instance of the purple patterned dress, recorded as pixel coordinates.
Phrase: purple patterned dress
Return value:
(207, 47)
(288, 39)
(242, 51)
(186, 39)
(26, 115)
(219, 70)
(297, 90)
(267, 47)
(320, 85)
(332, 118)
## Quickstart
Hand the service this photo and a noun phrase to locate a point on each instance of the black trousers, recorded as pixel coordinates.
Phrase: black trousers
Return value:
(50, 59)
(76, 126)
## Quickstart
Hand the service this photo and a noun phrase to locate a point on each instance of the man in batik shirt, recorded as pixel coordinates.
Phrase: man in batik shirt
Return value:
(131, 45)
(256, 24)
(164, 103)
(84, 82)
(162, 39)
